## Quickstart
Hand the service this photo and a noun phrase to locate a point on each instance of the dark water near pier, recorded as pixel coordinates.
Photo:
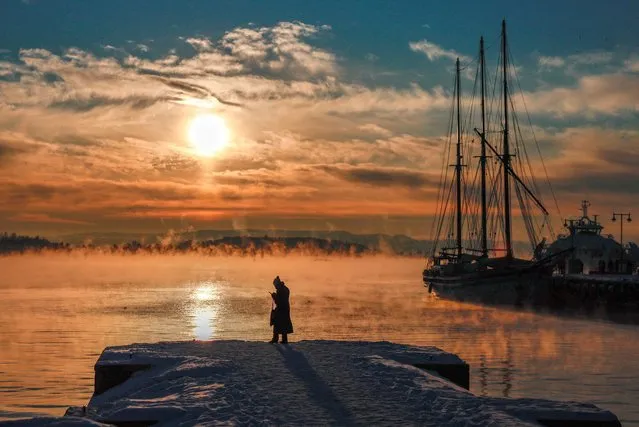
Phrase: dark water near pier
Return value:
(57, 313)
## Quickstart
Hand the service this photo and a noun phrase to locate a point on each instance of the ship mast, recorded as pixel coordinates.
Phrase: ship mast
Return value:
(482, 158)
(458, 167)
(506, 148)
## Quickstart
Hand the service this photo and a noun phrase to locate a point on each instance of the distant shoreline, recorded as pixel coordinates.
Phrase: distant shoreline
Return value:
(226, 246)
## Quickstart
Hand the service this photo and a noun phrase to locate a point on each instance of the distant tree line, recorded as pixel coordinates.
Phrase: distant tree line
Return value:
(236, 245)
(12, 243)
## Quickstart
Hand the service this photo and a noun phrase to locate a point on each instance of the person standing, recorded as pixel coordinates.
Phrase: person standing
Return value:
(281, 313)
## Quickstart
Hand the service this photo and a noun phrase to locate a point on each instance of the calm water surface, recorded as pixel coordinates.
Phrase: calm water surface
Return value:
(57, 313)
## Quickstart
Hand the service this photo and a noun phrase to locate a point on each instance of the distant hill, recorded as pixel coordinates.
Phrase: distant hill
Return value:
(228, 245)
(398, 244)
(14, 243)
(395, 244)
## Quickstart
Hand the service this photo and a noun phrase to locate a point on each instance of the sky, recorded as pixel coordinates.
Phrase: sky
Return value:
(336, 112)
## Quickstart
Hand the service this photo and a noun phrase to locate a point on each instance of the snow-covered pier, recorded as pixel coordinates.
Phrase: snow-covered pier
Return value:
(304, 383)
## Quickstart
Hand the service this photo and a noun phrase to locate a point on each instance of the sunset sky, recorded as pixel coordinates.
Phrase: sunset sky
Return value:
(336, 111)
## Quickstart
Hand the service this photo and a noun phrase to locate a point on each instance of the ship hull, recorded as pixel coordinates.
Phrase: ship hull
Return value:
(513, 287)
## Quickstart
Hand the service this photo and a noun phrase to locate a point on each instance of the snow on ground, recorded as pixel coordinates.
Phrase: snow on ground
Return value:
(305, 383)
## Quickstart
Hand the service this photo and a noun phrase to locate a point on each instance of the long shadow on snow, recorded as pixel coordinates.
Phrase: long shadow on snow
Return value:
(318, 390)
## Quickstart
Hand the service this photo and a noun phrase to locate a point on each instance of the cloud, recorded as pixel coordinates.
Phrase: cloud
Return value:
(280, 49)
(101, 137)
(95, 101)
(632, 65)
(193, 89)
(126, 95)
(379, 176)
(45, 218)
(571, 62)
(590, 58)
(11, 148)
(245, 63)
(607, 94)
(371, 57)
(595, 163)
(276, 176)
(374, 129)
(435, 52)
(551, 62)
(200, 44)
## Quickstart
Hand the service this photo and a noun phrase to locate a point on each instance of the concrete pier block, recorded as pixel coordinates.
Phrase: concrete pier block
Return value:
(108, 375)
(304, 383)
(458, 374)
(322, 383)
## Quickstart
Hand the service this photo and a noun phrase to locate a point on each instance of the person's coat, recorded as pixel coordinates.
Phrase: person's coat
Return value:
(281, 314)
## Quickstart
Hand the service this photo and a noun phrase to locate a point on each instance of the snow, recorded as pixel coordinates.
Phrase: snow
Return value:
(305, 383)
(310, 382)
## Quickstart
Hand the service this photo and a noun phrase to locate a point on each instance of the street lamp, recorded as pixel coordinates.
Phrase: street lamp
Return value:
(614, 218)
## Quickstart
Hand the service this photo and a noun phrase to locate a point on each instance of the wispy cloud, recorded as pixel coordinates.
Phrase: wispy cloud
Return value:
(374, 129)
(607, 94)
(435, 52)
(381, 177)
(551, 61)
(570, 63)
(100, 137)
(44, 218)
(371, 57)
(632, 64)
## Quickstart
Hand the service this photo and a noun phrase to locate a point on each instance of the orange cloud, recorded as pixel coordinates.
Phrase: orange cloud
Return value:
(95, 139)
(44, 218)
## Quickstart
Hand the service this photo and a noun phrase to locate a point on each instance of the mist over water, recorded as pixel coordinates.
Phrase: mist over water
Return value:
(59, 311)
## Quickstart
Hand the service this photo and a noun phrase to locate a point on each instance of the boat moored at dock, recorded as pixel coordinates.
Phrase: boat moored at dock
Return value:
(473, 255)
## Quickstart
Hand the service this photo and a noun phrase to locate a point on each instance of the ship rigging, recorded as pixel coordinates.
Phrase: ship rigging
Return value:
(473, 230)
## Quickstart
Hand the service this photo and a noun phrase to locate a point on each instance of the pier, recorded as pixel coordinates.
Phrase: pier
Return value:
(611, 289)
(308, 382)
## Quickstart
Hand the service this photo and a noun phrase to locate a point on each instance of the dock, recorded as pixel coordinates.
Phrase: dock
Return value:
(304, 383)
(610, 289)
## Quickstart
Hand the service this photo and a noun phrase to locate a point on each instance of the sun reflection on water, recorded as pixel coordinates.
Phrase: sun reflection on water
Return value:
(204, 293)
(205, 306)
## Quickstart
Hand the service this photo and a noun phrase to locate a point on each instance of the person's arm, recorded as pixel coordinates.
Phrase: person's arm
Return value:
(278, 297)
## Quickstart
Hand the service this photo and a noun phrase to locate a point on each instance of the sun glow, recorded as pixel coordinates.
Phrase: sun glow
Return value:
(203, 293)
(208, 134)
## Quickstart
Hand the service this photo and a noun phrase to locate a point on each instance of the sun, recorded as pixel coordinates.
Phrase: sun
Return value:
(208, 134)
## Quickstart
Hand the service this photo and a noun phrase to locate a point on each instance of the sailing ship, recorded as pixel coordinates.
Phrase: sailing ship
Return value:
(473, 257)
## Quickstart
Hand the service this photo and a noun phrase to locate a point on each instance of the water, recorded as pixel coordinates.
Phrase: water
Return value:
(57, 313)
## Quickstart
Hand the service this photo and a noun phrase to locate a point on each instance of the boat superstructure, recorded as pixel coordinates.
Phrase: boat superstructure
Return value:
(594, 252)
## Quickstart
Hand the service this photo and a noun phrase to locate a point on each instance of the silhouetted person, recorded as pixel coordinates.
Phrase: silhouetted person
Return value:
(281, 314)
